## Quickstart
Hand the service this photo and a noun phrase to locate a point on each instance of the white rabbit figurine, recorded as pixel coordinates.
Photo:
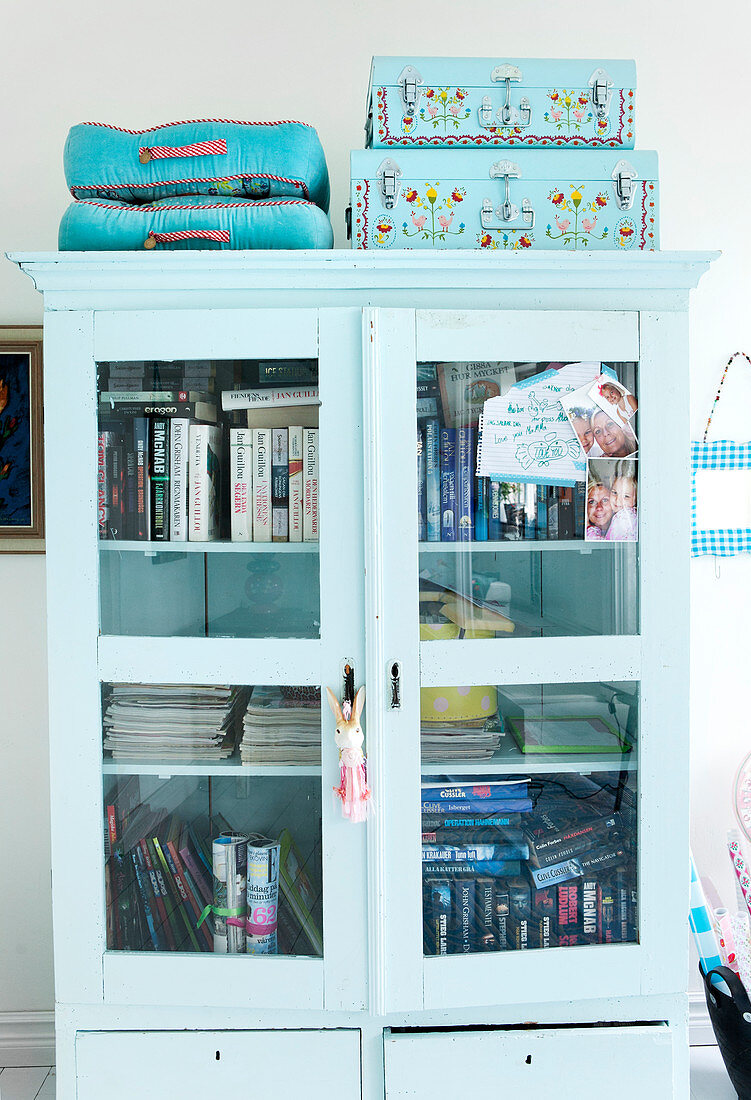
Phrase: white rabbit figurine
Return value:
(353, 788)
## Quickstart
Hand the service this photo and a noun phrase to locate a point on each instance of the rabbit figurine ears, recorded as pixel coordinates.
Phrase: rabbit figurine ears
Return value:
(348, 730)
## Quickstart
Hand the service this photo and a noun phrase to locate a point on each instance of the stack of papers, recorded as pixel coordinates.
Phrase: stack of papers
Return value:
(450, 741)
(278, 730)
(168, 722)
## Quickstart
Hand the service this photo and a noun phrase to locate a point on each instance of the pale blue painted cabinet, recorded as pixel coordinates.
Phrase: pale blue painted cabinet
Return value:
(523, 644)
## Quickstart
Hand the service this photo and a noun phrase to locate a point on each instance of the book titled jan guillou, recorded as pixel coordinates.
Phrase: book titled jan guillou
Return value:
(241, 484)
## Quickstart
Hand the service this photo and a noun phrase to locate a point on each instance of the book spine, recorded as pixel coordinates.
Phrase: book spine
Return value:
(143, 498)
(502, 908)
(186, 410)
(422, 518)
(567, 912)
(482, 509)
(544, 931)
(199, 491)
(468, 867)
(279, 485)
(460, 791)
(606, 913)
(115, 879)
(179, 429)
(130, 524)
(495, 522)
(261, 485)
(145, 900)
(485, 900)
(187, 894)
(520, 915)
(465, 890)
(117, 488)
(181, 907)
(198, 877)
(588, 911)
(565, 512)
(530, 511)
(553, 492)
(104, 489)
(440, 822)
(580, 504)
(472, 852)
(310, 485)
(447, 443)
(278, 396)
(546, 836)
(295, 484)
(287, 374)
(159, 478)
(439, 896)
(179, 935)
(241, 484)
(164, 924)
(433, 481)
(477, 806)
(465, 478)
(541, 526)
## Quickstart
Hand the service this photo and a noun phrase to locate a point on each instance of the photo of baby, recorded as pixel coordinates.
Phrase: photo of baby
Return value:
(614, 398)
(611, 502)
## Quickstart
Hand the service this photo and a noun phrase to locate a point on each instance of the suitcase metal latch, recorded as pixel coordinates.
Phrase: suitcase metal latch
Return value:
(623, 177)
(507, 115)
(602, 92)
(410, 81)
(388, 175)
(507, 212)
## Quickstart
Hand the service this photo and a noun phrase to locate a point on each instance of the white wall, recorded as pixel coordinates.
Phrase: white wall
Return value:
(145, 63)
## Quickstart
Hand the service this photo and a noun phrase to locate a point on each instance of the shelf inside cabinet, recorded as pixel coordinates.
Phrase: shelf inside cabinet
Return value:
(223, 547)
(510, 545)
(510, 760)
(229, 767)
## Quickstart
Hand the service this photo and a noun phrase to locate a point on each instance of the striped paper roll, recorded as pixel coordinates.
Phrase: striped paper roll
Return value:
(701, 925)
(230, 857)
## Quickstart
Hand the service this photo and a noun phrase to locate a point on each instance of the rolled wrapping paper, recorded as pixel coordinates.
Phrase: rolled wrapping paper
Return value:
(743, 882)
(263, 896)
(229, 854)
(723, 926)
(742, 941)
(701, 925)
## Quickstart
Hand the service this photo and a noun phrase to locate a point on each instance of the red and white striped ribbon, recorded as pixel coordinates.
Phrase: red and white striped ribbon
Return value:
(198, 149)
(186, 234)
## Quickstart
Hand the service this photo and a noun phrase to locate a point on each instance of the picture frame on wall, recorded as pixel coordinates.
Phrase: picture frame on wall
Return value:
(21, 441)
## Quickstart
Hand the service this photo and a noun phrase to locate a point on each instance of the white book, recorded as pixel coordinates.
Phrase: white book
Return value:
(262, 485)
(310, 484)
(278, 396)
(241, 484)
(279, 485)
(205, 443)
(295, 484)
(178, 486)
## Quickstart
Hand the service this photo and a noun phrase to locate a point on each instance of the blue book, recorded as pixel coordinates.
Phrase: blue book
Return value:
(422, 519)
(481, 509)
(453, 792)
(474, 852)
(465, 444)
(477, 806)
(433, 481)
(495, 521)
(509, 867)
(448, 484)
(541, 527)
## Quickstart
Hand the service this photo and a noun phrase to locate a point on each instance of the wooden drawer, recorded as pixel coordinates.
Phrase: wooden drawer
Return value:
(565, 1062)
(152, 1065)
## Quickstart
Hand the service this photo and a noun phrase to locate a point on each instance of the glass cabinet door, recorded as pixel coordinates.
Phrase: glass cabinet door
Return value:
(216, 592)
(521, 666)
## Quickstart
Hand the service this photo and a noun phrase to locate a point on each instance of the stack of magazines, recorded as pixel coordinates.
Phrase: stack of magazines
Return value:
(282, 727)
(456, 741)
(167, 722)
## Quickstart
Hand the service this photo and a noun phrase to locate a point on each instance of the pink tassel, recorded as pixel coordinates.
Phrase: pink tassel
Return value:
(353, 790)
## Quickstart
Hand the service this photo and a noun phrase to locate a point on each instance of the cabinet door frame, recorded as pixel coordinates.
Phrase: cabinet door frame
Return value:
(657, 656)
(80, 659)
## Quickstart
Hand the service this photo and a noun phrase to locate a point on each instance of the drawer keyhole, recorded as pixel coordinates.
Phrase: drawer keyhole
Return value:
(528, 1059)
(218, 1056)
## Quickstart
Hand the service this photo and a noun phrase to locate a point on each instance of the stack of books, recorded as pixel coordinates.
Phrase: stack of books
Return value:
(163, 722)
(282, 727)
(453, 741)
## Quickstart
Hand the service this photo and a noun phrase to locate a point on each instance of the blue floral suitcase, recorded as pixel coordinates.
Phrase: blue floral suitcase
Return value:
(430, 198)
(474, 101)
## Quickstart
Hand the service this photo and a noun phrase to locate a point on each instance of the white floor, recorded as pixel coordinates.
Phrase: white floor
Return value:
(708, 1079)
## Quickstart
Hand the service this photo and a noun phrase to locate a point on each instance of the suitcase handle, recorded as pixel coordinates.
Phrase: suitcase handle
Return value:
(147, 153)
(507, 214)
(154, 239)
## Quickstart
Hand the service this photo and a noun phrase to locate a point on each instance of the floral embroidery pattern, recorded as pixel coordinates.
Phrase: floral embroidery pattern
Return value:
(443, 212)
(506, 239)
(443, 108)
(569, 110)
(625, 233)
(383, 231)
(581, 232)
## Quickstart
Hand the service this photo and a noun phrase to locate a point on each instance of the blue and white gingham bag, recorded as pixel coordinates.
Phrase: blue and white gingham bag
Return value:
(723, 454)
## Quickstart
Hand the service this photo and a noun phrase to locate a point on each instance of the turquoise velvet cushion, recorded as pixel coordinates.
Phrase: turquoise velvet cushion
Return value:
(208, 157)
(106, 225)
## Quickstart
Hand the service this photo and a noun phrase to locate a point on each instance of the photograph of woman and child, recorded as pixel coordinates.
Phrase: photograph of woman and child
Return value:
(600, 414)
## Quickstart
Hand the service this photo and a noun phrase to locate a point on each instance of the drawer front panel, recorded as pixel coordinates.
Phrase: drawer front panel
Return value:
(560, 1062)
(274, 1064)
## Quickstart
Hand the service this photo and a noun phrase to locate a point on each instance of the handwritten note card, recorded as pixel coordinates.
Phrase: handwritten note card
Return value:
(526, 436)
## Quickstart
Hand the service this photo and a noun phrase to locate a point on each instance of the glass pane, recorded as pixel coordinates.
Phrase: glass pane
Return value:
(212, 808)
(529, 816)
(528, 558)
(208, 498)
